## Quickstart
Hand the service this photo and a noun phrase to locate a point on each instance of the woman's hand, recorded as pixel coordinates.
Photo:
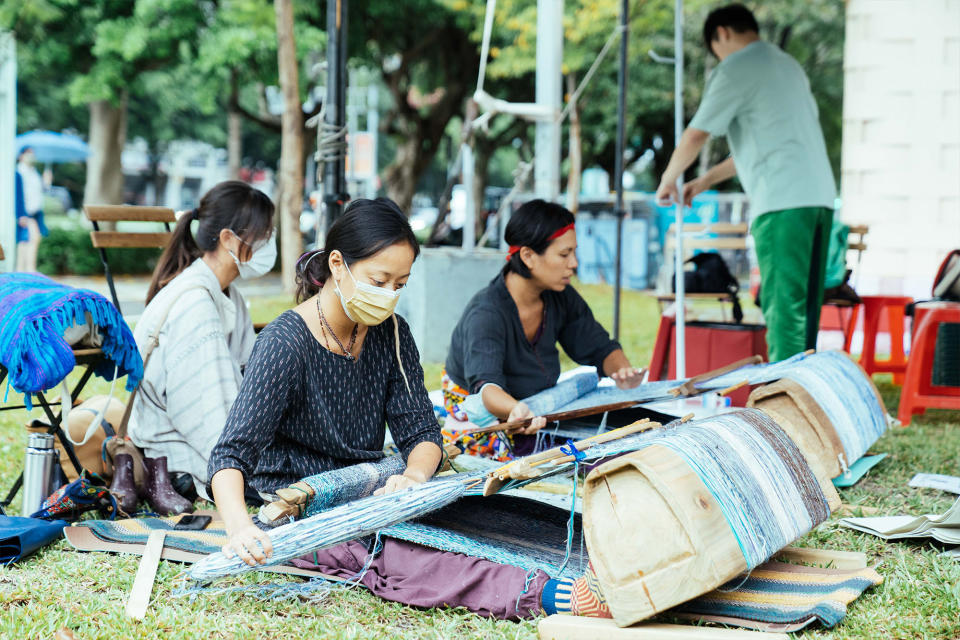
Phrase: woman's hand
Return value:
(628, 377)
(249, 543)
(410, 478)
(521, 411)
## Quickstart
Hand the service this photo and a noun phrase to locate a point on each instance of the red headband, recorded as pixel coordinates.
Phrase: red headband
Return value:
(556, 234)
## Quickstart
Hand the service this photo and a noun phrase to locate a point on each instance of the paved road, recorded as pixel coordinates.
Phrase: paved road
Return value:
(132, 290)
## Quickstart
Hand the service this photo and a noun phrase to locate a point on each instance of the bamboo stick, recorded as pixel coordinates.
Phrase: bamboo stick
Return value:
(689, 388)
(552, 417)
(732, 388)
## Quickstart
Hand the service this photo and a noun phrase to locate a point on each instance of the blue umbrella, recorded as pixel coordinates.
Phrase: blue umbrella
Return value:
(50, 146)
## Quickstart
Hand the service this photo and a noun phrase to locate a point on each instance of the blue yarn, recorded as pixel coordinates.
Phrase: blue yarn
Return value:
(34, 313)
(578, 456)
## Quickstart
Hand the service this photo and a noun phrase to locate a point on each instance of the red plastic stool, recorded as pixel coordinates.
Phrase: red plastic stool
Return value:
(873, 307)
(918, 392)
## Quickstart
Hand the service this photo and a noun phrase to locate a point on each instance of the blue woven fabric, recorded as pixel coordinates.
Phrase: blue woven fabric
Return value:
(34, 313)
(340, 486)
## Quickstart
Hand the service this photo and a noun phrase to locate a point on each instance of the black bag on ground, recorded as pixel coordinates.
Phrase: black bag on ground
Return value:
(712, 275)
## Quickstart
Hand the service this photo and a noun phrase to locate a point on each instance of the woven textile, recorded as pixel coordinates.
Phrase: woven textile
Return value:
(344, 485)
(137, 530)
(765, 489)
(510, 530)
(34, 313)
(784, 593)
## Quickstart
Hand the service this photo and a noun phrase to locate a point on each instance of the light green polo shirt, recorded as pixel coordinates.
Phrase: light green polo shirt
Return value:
(759, 98)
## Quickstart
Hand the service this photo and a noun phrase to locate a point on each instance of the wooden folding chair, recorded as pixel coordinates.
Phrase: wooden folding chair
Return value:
(717, 236)
(103, 240)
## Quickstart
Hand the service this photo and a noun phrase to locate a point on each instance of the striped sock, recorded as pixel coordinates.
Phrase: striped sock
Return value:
(580, 597)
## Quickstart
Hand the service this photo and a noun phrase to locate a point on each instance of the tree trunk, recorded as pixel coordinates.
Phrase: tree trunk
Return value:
(291, 144)
(108, 134)
(400, 177)
(234, 143)
(576, 149)
(481, 169)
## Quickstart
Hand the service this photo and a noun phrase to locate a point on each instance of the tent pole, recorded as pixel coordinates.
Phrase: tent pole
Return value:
(681, 335)
(618, 163)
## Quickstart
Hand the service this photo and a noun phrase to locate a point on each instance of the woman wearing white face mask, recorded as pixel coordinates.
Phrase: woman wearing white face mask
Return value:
(206, 335)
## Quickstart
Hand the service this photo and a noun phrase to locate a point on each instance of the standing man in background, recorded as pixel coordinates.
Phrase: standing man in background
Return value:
(759, 98)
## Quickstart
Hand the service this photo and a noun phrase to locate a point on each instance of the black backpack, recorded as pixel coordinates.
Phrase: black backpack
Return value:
(712, 275)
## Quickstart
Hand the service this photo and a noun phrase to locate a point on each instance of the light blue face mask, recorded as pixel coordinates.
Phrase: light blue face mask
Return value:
(261, 261)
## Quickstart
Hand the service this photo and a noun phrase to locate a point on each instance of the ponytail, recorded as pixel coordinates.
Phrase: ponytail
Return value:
(180, 253)
(233, 205)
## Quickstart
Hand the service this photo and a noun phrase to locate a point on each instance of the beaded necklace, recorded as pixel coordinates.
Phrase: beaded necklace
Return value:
(348, 350)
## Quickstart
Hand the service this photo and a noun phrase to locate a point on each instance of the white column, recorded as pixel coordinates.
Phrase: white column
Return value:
(8, 133)
(546, 170)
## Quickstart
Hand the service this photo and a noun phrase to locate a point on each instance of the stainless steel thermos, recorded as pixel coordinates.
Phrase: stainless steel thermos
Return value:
(38, 468)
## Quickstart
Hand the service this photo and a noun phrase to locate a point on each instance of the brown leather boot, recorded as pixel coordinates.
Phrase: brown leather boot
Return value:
(161, 495)
(122, 486)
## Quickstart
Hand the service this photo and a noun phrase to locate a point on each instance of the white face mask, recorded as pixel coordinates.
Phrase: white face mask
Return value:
(369, 305)
(260, 262)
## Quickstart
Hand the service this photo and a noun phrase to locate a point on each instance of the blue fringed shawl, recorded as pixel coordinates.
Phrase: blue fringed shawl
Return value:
(34, 313)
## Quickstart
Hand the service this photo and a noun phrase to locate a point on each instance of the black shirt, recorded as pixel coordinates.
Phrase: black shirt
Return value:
(489, 346)
(302, 410)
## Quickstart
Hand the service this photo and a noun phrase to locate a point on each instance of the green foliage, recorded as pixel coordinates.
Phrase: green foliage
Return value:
(812, 31)
(68, 251)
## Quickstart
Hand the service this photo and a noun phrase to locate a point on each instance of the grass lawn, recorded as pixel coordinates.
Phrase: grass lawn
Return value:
(56, 588)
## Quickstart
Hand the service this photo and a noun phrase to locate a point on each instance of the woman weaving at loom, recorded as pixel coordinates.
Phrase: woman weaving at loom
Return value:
(504, 347)
(205, 333)
(323, 380)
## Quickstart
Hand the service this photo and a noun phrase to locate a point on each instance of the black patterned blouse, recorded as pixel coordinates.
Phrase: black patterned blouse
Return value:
(302, 410)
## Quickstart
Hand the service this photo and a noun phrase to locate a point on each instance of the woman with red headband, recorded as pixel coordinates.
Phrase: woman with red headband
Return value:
(505, 344)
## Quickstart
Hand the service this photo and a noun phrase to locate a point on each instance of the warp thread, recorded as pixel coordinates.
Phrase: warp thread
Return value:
(345, 522)
(759, 478)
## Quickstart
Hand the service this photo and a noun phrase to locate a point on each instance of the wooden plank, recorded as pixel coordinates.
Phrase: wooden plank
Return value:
(124, 240)
(723, 228)
(857, 246)
(709, 243)
(558, 627)
(1, 252)
(122, 212)
(859, 228)
(825, 557)
(146, 572)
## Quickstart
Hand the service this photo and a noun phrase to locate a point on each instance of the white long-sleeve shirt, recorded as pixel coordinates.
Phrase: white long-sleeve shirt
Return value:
(194, 373)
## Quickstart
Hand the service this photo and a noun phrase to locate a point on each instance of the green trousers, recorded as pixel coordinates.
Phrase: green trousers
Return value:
(791, 247)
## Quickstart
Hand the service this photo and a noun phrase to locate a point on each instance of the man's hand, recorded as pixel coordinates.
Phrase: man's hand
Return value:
(694, 188)
(667, 193)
